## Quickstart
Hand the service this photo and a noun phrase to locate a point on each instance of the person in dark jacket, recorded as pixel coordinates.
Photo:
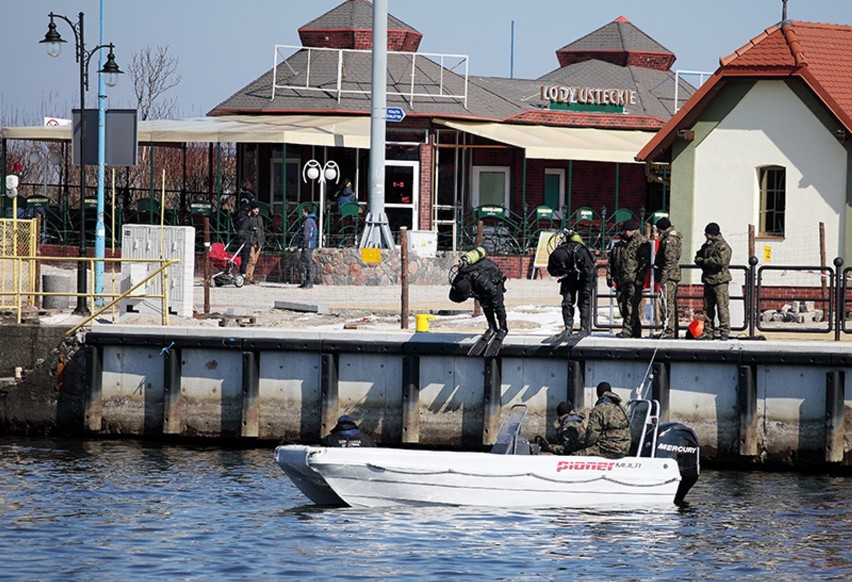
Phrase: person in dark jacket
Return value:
(574, 264)
(608, 431)
(629, 260)
(347, 434)
(243, 227)
(667, 274)
(479, 277)
(714, 258)
(308, 242)
(570, 432)
(254, 238)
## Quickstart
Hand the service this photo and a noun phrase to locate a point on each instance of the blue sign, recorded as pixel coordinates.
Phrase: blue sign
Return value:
(395, 114)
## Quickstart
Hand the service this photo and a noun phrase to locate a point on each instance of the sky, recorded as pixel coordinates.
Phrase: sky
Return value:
(222, 45)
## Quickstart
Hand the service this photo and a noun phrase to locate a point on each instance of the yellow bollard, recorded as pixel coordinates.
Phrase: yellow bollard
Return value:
(422, 321)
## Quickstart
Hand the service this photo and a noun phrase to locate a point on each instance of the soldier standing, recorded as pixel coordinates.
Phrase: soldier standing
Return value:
(574, 264)
(628, 264)
(714, 258)
(667, 273)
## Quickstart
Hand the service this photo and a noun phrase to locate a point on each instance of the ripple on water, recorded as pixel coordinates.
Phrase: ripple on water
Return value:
(124, 509)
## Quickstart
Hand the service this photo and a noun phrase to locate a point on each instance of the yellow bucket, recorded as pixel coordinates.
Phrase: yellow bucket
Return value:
(422, 320)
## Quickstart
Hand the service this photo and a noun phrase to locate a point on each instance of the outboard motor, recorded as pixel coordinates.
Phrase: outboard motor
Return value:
(679, 442)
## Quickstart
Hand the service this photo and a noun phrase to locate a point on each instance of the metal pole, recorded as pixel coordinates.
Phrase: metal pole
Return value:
(100, 230)
(377, 233)
(82, 307)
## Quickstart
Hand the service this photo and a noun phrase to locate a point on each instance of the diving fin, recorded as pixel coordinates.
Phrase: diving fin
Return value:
(480, 344)
(495, 345)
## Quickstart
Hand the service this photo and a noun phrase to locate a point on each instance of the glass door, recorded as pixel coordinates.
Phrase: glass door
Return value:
(402, 194)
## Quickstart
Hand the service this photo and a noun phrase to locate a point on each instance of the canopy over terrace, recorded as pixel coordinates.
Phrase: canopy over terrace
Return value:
(561, 143)
(316, 130)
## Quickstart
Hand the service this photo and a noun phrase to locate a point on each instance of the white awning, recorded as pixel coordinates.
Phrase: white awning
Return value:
(561, 143)
(317, 130)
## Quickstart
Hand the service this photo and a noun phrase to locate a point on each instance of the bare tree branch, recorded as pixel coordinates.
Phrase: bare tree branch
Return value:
(153, 73)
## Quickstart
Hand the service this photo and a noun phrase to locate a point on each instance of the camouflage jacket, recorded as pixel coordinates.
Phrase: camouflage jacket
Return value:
(629, 261)
(667, 259)
(714, 258)
(609, 427)
(570, 433)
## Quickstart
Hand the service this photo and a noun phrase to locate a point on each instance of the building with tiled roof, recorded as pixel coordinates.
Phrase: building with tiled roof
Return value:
(764, 144)
(468, 141)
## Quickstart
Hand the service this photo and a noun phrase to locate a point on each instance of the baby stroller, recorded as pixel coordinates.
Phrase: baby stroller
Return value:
(228, 266)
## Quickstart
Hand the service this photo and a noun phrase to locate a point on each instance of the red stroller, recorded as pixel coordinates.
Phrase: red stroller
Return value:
(228, 266)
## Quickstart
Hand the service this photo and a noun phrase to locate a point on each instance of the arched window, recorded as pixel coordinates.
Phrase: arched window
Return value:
(773, 199)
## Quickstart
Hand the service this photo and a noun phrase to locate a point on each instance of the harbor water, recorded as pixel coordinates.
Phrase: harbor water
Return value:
(124, 509)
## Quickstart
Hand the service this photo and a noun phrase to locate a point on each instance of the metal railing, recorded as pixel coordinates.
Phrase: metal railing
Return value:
(765, 307)
(26, 297)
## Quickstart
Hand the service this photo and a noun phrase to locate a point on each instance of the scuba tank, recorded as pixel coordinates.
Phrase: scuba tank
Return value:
(472, 256)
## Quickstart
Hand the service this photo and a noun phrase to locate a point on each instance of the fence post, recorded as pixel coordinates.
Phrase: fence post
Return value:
(403, 277)
(751, 295)
(839, 298)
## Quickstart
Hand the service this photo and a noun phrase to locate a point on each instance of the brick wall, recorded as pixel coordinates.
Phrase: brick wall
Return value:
(398, 40)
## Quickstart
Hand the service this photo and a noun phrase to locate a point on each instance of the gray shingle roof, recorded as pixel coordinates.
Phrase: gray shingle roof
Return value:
(352, 15)
(256, 97)
(619, 35)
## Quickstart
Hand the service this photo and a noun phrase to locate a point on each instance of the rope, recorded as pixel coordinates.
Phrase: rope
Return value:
(532, 475)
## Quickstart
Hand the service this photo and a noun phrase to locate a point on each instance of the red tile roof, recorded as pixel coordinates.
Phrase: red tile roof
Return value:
(819, 54)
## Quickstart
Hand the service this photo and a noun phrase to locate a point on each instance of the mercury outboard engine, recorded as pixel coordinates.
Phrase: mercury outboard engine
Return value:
(679, 442)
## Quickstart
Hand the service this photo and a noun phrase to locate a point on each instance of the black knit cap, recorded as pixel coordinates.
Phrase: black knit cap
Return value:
(564, 407)
(712, 229)
(664, 223)
(603, 387)
(631, 224)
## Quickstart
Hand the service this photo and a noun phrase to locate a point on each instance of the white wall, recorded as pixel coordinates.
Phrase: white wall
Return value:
(771, 126)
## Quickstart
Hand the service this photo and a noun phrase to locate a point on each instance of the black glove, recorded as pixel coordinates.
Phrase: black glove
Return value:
(542, 443)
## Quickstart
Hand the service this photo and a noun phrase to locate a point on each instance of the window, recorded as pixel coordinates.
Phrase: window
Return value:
(773, 197)
(491, 186)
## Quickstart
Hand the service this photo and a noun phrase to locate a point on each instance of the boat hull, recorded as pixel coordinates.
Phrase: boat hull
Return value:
(378, 477)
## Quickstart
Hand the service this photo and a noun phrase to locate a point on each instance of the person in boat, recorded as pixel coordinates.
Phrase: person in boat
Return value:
(480, 277)
(608, 431)
(574, 264)
(347, 434)
(570, 432)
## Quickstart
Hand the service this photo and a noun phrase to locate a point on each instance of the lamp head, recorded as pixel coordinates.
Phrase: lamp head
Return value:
(313, 173)
(52, 39)
(111, 69)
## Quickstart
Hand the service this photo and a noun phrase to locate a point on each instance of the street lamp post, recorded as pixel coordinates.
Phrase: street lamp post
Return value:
(329, 172)
(54, 42)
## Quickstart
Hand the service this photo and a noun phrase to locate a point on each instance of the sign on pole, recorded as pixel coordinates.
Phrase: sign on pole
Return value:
(395, 114)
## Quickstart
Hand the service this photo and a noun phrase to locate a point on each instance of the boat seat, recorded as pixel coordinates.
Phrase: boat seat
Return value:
(509, 440)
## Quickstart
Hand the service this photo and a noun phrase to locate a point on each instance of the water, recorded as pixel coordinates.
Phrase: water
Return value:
(126, 510)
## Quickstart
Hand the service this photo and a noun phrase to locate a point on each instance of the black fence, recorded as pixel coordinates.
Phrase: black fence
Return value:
(762, 304)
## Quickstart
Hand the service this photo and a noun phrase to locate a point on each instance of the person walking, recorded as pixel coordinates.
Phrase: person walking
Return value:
(255, 238)
(608, 431)
(309, 238)
(714, 258)
(667, 274)
(574, 264)
(243, 227)
(629, 260)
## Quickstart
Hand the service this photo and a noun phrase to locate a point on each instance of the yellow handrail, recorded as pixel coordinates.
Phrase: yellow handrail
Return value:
(164, 296)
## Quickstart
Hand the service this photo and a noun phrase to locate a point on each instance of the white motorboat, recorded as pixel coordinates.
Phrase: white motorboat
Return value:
(512, 475)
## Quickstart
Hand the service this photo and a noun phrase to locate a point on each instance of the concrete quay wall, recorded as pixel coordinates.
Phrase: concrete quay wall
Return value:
(749, 402)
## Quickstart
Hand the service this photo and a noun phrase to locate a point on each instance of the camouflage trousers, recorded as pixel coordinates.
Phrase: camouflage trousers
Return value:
(668, 306)
(716, 299)
(629, 296)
